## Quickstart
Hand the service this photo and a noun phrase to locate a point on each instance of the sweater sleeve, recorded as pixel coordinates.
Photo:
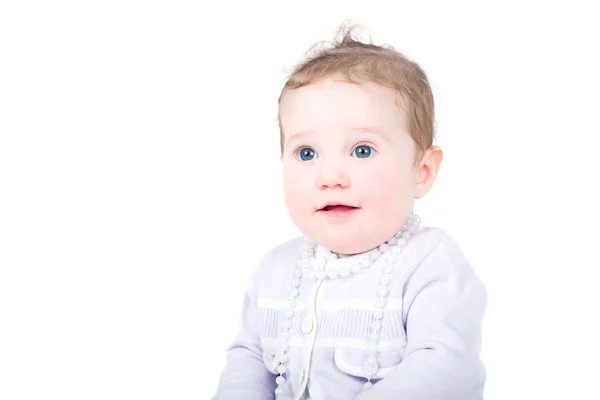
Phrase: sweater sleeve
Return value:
(444, 304)
(245, 376)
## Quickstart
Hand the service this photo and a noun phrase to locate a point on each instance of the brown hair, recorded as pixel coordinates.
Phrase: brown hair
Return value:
(358, 62)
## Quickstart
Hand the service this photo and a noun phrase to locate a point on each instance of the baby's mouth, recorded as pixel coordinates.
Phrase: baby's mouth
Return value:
(338, 207)
(337, 211)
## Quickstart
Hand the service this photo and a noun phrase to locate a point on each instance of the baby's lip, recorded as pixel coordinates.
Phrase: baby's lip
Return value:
(331, 205)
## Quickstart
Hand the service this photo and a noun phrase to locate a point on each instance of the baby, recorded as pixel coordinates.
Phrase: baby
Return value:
(368, 304)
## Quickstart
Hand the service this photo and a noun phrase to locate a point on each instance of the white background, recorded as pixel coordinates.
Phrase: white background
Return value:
(140, 182)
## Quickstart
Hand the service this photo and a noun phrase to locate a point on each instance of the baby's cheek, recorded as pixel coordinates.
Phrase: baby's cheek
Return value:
(296, 190)
(385, 193)
(377, 185)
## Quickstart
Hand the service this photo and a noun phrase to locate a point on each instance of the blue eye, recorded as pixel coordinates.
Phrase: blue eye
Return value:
(307, 154)
(362, 151)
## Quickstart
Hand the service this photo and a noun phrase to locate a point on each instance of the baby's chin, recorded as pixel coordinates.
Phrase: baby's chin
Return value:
(346, 246)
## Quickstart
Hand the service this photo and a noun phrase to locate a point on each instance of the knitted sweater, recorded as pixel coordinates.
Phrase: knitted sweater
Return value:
(429, 342)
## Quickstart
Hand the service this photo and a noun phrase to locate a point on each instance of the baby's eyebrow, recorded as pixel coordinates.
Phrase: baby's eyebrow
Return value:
(367, 129)
(371, 130)
(298, 136)
(374, 131)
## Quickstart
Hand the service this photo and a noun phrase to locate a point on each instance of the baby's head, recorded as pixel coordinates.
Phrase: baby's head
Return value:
(357, 128)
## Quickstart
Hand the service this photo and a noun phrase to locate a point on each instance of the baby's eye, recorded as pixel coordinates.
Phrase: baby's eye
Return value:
(362, 151)
(307, 154)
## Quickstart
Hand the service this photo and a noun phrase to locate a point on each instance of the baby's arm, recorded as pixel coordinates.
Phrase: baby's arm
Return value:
(444, 304)
(245, 375)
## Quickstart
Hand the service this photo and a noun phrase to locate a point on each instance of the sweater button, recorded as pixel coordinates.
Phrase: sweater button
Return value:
(370, 368)
(307, 325)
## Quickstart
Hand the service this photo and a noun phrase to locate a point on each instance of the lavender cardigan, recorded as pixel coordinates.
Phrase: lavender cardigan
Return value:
(430, 337)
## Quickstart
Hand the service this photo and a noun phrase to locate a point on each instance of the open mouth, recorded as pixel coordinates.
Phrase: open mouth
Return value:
(338, 207)
(337, 210)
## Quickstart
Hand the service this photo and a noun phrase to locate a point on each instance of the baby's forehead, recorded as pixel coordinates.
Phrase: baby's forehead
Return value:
(346, 116)
(338, 86)
(334, 96)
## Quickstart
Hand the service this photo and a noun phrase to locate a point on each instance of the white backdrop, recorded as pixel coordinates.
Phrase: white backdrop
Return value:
(140, 182)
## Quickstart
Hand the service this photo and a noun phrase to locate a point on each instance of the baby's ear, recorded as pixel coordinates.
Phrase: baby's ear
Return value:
(428, 170)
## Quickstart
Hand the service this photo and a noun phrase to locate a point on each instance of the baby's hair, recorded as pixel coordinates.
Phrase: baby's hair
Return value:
(357, 62)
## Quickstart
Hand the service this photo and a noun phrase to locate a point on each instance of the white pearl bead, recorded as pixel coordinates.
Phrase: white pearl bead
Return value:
(386, 280)
(383, 292)
(278, 392)
(368, 385)
(281, 369)
(280, 380)
(294, 292)
(406, 235)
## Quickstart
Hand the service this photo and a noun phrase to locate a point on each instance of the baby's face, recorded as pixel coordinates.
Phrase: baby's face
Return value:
(347, 144)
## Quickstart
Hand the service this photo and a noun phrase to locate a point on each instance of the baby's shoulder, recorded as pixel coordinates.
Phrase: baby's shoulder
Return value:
(281, 258)
(434, 254)
(284, 251)
(433, 247)
(427, 240)
(433, 238)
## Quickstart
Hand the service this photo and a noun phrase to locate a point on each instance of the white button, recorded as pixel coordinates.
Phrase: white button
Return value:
(307, 325)
(302, 373)
(370, 367)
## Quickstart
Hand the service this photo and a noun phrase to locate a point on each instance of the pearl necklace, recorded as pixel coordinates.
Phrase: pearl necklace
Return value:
(314, 268)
